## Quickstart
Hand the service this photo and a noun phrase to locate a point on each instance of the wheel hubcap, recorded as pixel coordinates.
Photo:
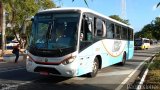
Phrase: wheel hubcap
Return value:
(94, 67)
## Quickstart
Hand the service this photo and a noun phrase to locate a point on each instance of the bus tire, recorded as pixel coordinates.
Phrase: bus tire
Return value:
(95, 68)
(123, 60)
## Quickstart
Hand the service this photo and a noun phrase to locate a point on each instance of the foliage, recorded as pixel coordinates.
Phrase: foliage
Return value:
(84, 1)
(151, 31)
(116, 17)
(19, 11)
(153, 76)
(155, 65)
(158, 4)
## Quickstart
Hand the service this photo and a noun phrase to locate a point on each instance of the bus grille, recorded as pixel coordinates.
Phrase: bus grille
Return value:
(46, 69)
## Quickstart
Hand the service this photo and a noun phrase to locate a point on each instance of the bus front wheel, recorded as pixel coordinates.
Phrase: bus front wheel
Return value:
(94, 68)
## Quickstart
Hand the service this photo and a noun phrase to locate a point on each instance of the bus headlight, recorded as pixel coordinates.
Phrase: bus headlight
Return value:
(68, 60)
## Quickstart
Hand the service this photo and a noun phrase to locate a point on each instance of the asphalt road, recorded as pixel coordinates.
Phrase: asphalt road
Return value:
(15, 77)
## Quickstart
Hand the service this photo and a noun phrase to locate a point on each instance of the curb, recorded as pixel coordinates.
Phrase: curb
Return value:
(1, 59)
(140, 77)
(139, 87)
(11, 57)
(129, 82)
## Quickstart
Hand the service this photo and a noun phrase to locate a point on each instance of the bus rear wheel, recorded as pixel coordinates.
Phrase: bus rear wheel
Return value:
(94, 68)
(123, 60)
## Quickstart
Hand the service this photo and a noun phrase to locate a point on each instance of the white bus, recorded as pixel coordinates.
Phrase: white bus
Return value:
(76, 41)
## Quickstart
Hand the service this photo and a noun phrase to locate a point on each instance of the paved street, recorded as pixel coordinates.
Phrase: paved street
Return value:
(14, 76)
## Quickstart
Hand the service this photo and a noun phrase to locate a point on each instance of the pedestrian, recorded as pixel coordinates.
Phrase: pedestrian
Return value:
(15, 51)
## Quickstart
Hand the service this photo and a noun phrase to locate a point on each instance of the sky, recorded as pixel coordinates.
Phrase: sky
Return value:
(138, 12)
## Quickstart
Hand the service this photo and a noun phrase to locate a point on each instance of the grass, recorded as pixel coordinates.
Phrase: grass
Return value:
(153, 76)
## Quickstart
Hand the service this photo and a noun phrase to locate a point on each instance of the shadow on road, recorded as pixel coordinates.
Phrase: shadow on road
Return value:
(150, 55)
(64, 86)
(56, 83)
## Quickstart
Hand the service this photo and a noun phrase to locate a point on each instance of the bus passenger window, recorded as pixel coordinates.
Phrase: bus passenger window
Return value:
(124, 33)
(130, 34)
(86, 34)
(110, 30)
(118, 31)
(99, 28)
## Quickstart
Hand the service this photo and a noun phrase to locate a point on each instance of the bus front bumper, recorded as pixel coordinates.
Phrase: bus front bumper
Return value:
(57, 70)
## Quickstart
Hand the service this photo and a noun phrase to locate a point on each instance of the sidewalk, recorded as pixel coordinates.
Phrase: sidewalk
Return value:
(9, 55)
(1, 59)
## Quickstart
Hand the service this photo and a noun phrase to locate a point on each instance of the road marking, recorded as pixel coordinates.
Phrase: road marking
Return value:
(2, 62)
(15, 86)
(124, 72)
(129, 76)
(12, 70)
(144, 76)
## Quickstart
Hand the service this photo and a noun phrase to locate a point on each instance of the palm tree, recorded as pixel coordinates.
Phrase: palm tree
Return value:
(158, 4)
(84, 1)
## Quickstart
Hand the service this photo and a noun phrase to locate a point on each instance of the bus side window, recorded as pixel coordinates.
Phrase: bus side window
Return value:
(86, 30)
(118, 31)
(130, 34)
(124, 33)
(100, 30)
(110, 30)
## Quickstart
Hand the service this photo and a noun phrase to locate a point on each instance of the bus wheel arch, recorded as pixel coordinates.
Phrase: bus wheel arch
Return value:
(100, 61)
(96, 66)
(124, 58)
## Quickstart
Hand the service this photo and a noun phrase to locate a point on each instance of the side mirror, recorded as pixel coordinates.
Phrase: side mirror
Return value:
(32, 19)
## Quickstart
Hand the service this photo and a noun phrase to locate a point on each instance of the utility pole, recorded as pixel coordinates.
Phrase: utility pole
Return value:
(1, 22)
(123, 12)
(2, 26)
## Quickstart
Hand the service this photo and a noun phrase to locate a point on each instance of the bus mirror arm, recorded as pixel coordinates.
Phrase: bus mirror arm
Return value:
(32, 19)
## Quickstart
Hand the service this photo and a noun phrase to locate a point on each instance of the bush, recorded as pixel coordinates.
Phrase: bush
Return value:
(155, 65)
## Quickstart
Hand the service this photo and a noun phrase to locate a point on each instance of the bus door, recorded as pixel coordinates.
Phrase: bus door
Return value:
(86, 40)
(130, 43)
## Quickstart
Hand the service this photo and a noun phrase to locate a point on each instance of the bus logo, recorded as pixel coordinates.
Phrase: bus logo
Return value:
(116, 46)
(46, 60)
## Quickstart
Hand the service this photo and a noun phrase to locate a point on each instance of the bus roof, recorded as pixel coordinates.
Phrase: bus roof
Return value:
(84, 10)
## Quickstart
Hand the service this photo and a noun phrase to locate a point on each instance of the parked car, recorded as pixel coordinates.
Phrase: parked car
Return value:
(11, 44)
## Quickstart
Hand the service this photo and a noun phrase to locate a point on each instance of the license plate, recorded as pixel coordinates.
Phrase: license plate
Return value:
(44, 73)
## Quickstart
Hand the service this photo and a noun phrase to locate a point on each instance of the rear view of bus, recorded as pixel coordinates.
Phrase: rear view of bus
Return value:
(142, 43)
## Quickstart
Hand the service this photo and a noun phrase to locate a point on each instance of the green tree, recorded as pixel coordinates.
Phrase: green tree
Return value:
(156, 29)
(138, 34)
(151, 31)
(148, 31)
(20, 11)
(116, 17)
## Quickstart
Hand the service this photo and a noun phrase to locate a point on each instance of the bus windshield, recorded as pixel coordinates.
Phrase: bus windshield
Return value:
(54, 34)
(138, 42)
(55, 31)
